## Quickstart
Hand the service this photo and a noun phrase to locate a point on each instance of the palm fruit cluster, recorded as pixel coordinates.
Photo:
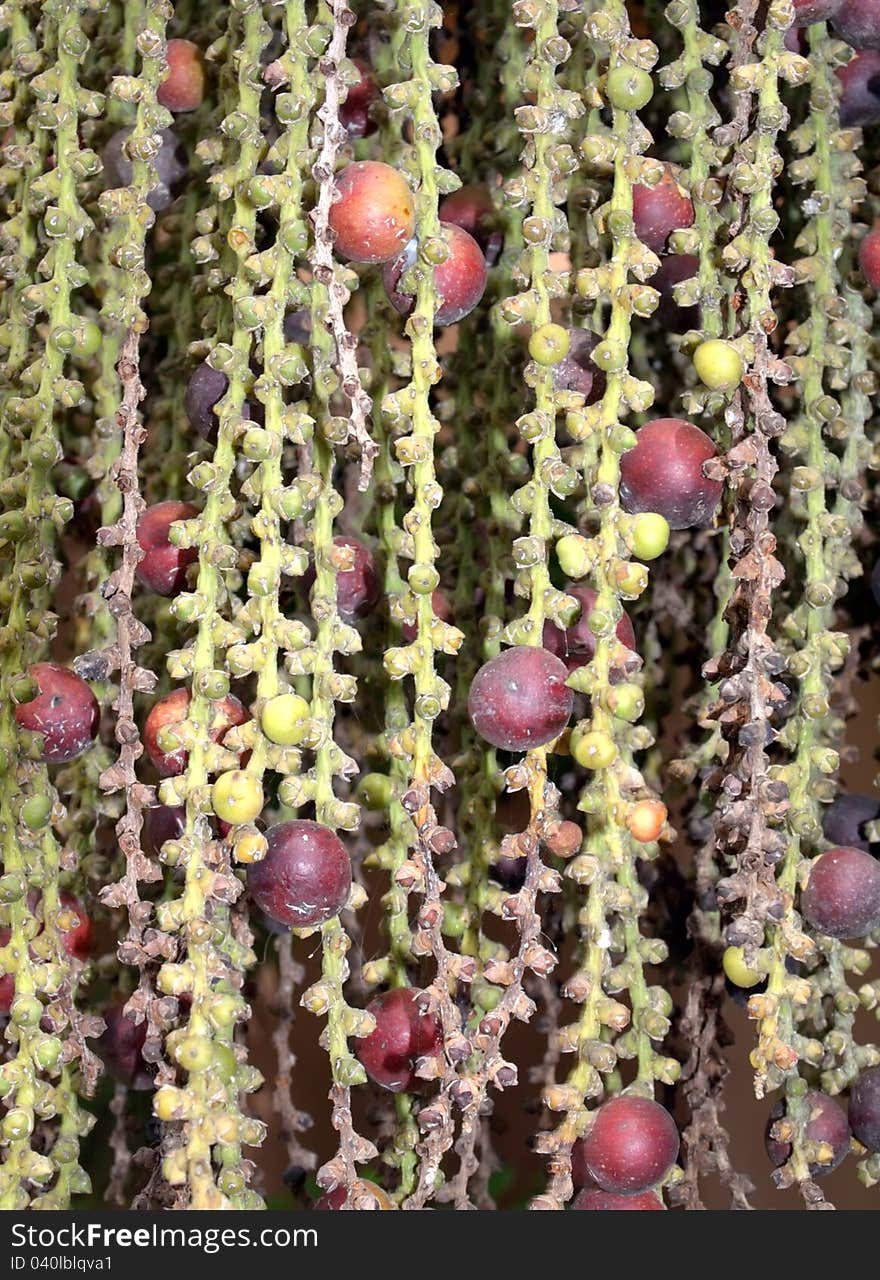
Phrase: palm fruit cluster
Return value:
(438, 594)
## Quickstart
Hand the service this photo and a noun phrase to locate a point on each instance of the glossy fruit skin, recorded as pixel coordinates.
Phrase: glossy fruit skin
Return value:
(354, 112)
(518, 699)
(869, 258)
(237, 797)
(402, 1035)
(842, 895)
(121, 1048)
(664, 473)
(171, 164)
(374, 218)
(718, 364)
(594, 1198)
(738, 972)
(629, 88)
(162, 822)
(827, 1123)
(460, 281)
(359, 589)
(576, 371)
(184, 87)
(660, 210)
(471, 208)
(305, 877)
(205, 388)
(163, 568)
(646, 820)
(673, 269)
(858, 23)
(845, 819)
(632, 1145)
(64, 711)
(171, 710)
(285, 719)
(442, 610)
(806, 12)
(576, 645)
(860, 89)
(864, 1108)
(650, 535)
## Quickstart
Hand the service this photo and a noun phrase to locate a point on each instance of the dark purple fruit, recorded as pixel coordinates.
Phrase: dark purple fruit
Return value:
(827, 1124)
(459, 282)
(305, 877)
(842, 895)
(860, 89)
(664, 473)
(576, 645)
(845, 819)
(205, 388)
(171, 164)
(660, 210)
(518, 700)
(162, 822)
(864, 1108)
(121, 1048)
(576, 372)
(631, 1146)
(358, 589)
(402, 1036)
(858, 23)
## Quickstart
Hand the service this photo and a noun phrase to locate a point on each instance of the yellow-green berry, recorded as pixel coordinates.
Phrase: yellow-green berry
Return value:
(734, 964)
(549, 344)
(629, 88)
(593, 749)
(718, 364)
(650, 535)
(285, 719)
(237, 797)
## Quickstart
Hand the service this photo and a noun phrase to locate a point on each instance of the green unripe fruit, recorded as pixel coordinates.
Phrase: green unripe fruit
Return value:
(650, 535)
(48, 1054)
(734, 964)
(625, 701)
(225, 1063)
(574, 555)
(549, 344)
(88, 341)
(593, 749)
(17, 1124)
(194, 1053)
(629, 88)
(374, 791)
(237, 797)
(718, 364)
(285, 719)
(35, 812)
(26, 1011)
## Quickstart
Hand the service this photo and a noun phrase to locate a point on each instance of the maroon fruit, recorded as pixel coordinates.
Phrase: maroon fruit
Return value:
(576, 372)
(305, 877)
(869, 258)
(374, 218)
(632, 1145)
(664, 473)
(64, 711)
(354, 112)
(442, 610)
(205, 388)
(172, 710)
(459, 281)
(842, 895)
(827, 1123)
(860, 89)
(576, 645)
(163, 568)
(403, 1035)
(858, 23)
(660, 210)
(183, 89)
(594, 1198)
(864, 1108)
(121, 1048)
(162, 822)
(519, 700)
(806, 12)
(359, 588)
(471, 208)
(171, 164)
(845, 820)
(675, 268)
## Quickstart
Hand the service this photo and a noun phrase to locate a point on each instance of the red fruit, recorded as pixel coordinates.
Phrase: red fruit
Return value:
(827, 1123)
(673, 269)
(632, 1145)
(184, 87)
(869, 258)
(163, 568)
(173, 709)
(121, 1048)
(403, 1034)
(576, 372)
(576, 645)
(806, 12)
(76, 942)
(354, 112)
(519, 700)
(459, 281)
(860, 89)
(842, 895)
(864, 1108)
(593, 1198)
(374, 217)
(660, 210)
(664, 473)
(64, 711)
(471, 208)
(442, 610)
(364, 1195)
(858, 23)
(359, 589)
(305, 877)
